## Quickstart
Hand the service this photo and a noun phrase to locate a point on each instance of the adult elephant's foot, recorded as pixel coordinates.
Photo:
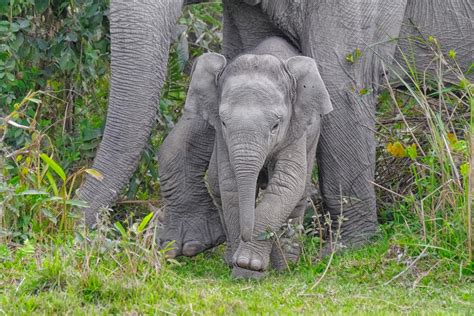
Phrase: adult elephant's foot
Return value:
(190, 233)
(284, 252)
(353, 222)
(349, 242)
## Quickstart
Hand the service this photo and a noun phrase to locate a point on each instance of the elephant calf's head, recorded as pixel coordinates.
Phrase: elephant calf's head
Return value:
(260, 104)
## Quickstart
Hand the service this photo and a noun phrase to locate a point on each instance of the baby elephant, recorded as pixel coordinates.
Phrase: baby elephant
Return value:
(266, 107)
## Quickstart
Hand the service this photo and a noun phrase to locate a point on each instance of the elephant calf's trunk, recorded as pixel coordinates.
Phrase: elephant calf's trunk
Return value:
(246, 172)
(247, 191)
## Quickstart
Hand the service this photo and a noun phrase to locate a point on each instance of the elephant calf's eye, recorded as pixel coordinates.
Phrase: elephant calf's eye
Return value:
(223, 124)
(275, 127)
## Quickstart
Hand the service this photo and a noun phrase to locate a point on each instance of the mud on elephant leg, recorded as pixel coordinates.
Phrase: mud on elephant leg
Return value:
(191, 219)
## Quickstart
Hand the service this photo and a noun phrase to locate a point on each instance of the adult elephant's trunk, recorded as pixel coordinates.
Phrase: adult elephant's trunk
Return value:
(141, 32)
(247, 160)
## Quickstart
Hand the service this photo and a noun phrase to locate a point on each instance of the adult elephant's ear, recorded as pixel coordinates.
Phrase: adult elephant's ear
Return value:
(202, 95)
(311, 96)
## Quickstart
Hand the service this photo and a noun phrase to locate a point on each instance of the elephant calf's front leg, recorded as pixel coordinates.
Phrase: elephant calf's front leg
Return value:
(285, 189)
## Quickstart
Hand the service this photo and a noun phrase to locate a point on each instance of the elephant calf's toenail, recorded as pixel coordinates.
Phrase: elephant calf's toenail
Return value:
(242, 261)
(256, 264)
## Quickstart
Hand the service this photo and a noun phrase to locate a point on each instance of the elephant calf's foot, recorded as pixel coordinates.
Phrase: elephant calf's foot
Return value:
(284, 251)
(251, 256)
(240, 273)
(190, 233)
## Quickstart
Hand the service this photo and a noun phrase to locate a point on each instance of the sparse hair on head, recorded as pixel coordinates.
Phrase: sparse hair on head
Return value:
(260, 65)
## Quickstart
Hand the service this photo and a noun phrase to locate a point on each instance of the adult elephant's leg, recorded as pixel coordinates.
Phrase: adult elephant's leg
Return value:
(140, 39)
(346, 152)
(191, 219)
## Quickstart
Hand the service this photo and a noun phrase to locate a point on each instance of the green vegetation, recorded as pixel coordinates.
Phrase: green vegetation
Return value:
(54, 72)
(64, 276)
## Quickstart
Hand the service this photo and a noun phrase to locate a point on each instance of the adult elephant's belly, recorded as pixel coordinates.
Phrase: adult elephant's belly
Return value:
(448, 24)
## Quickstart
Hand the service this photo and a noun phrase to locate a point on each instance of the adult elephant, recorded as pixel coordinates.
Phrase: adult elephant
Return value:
(326, 30)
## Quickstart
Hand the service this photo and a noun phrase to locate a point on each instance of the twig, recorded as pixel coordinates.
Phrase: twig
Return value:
(386, 189)
(333, 245)
(424, 274)
(277, 239)
(470, 194)
(407, 268)
(139, 202)
(325, 270)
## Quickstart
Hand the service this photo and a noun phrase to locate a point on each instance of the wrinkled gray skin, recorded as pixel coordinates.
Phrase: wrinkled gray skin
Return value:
(324, 30)
(266, 108)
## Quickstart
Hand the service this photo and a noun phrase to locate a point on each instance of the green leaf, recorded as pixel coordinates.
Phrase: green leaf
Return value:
(53, 199)
(121, 230)
(49, 215)
(24, 23)
(144, 222)
(350, 58)
(4, 6)
(94, 173)
(14, 27)
(52, 182)
(41, 5)
(452, 54)
(33, 192)
(4, 26)
(357, 53)
(34, 100)
(10, 76)
(78, 203)
(53, 165)
(266, 235)
(27, 249)
(464, 168)
(411, 151)
(364, 91)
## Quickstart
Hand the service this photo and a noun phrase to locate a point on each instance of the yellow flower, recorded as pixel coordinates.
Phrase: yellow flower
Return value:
(396, 150)
(452, 139)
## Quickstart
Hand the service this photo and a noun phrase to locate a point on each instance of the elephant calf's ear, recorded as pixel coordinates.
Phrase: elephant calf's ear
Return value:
(312, 97)
(202, 95)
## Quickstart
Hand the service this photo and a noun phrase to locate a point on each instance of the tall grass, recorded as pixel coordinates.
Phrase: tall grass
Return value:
(425, 163)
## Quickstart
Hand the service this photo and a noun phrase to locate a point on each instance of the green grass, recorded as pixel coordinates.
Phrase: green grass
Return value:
(63, 277)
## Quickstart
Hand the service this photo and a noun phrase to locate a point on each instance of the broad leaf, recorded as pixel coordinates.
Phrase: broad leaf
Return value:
(53, 165)
(96, 174)
(77, 203)
(144, 222)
